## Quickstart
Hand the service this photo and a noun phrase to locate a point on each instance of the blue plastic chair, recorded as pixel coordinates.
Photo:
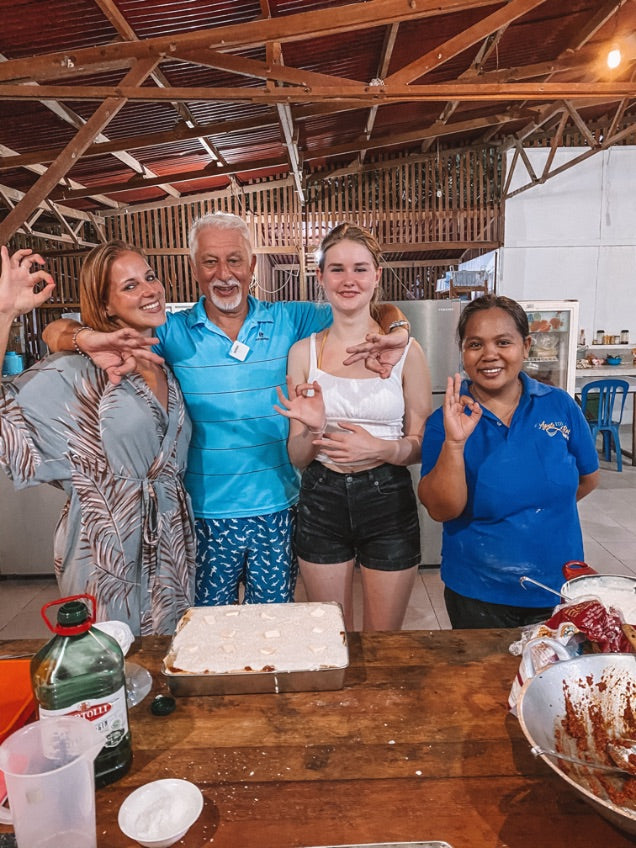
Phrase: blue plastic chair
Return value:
(597, 402)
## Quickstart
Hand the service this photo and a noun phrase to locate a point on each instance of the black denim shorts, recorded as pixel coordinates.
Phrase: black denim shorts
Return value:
(370, 516)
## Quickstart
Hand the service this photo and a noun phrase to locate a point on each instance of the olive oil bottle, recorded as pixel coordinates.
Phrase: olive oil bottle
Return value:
(81, 672)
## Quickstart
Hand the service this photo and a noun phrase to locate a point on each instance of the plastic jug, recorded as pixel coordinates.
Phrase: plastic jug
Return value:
(48, 769)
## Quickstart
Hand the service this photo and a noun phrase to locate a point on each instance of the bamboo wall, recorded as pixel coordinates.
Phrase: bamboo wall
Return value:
(443, 197)
(424, 212)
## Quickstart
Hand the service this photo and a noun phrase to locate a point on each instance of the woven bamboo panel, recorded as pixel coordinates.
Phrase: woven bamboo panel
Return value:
(443, 198)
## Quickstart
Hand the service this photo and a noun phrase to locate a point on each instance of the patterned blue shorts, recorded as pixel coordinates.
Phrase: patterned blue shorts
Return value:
(256, 551)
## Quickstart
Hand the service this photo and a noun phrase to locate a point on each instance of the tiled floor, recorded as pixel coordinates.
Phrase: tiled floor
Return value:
(608, 517)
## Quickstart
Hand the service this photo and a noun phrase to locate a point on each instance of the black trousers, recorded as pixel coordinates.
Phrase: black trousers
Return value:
(471, 614)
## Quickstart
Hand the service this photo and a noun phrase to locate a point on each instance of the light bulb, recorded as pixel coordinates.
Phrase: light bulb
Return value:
(614, 56)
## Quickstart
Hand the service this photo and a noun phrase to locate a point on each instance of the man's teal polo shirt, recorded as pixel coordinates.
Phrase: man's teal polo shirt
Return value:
(238, 464)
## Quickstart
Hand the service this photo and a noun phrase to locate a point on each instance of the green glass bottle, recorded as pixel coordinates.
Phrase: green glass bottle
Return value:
(81, 672)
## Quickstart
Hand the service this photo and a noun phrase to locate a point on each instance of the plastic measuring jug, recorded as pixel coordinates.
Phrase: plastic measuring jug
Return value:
(48, 769)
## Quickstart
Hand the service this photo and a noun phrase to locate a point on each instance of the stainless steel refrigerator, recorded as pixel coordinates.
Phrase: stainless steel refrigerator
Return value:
(433, 324)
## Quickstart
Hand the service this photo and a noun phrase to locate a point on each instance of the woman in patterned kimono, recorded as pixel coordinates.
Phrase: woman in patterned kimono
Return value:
(118, 451)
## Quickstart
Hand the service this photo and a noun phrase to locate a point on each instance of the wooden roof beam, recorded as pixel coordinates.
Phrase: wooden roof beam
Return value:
(178, 177)
(11, 196)
(383, 68)
(56, 212)
(360, 94)
(44, 186)
(245, 167)
(607, 142)
(272, 70)
(556, 142)
(486, 48)
(579, 39)
(15, 196)
(181, 131)
(68, 116)
(40, 169)
(465, 39)
(295, 27)
(595, 22)
(548, 112)
(124, 29)
(618, 115)
(580, 123)
(122, 26)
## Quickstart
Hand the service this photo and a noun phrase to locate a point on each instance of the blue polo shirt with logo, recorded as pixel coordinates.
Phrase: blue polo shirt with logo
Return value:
(521, 516)
(238, 464)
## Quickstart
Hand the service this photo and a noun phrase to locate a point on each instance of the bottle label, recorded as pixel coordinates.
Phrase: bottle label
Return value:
(108, 715)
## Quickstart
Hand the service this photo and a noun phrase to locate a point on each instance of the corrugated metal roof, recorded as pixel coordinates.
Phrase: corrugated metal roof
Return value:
(94, 43)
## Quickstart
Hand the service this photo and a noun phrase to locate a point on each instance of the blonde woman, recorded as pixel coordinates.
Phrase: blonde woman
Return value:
(118, 451)
(353, 434)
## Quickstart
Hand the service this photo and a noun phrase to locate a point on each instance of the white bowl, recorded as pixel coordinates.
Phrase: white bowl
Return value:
(159, 813)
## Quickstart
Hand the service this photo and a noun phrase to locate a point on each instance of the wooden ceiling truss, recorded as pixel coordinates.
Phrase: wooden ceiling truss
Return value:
(534, 97)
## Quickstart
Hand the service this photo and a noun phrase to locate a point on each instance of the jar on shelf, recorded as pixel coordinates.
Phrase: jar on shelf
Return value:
(600, 336)
(624, 336)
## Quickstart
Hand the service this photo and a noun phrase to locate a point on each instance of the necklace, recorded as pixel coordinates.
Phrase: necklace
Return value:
(504, 415)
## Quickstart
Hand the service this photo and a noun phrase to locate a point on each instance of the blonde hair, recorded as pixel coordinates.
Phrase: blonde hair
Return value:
(352, 232)
(95, 281)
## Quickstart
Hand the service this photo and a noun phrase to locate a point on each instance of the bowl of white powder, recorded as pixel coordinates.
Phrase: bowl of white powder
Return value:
(615, 590)
(159, 813)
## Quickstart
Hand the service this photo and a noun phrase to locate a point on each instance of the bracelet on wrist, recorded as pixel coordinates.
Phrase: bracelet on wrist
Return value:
(398, 324)
(317, 433)
(76, 347)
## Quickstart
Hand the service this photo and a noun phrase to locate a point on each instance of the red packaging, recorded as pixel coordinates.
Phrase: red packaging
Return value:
(600, 625)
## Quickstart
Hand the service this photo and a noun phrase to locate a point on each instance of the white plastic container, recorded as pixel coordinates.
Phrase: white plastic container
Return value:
(48, 769)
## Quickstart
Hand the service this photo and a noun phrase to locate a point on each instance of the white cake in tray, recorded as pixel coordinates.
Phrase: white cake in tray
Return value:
(259, 637)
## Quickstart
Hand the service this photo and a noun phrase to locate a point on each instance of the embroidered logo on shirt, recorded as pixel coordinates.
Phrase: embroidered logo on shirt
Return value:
(553, 428)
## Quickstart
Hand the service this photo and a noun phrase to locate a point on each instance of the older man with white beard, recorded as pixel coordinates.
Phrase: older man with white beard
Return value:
(229, 352)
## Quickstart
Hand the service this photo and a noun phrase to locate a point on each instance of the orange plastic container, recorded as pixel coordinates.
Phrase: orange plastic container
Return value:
(17, 703)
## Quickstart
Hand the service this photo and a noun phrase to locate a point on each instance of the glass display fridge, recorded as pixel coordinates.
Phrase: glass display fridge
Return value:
(554, 331)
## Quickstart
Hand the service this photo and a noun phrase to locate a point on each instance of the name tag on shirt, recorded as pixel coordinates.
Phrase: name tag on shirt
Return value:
(239, 351)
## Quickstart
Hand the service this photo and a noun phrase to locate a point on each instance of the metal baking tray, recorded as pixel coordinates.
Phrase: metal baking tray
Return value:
(390, 845)
(256, 682)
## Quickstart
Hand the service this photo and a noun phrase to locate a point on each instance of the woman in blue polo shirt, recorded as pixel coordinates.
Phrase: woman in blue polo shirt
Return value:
(504, 462)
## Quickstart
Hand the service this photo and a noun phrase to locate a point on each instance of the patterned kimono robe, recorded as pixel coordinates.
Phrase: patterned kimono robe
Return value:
(125, 534)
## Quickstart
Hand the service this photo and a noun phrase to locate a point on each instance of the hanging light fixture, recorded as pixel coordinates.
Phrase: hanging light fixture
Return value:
(614, 57)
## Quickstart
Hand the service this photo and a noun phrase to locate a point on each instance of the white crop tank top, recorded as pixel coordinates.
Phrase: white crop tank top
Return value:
(373, 403)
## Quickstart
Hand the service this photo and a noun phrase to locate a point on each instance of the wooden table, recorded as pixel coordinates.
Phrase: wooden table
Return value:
(419, 745)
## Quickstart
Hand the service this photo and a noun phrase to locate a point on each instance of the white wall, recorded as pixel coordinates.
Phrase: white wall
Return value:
(575, 237)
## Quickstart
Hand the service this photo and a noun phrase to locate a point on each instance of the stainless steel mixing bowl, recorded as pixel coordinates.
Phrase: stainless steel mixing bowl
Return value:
(609, 682)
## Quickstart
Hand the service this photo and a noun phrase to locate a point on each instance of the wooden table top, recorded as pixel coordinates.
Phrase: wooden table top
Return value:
(418, 745)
